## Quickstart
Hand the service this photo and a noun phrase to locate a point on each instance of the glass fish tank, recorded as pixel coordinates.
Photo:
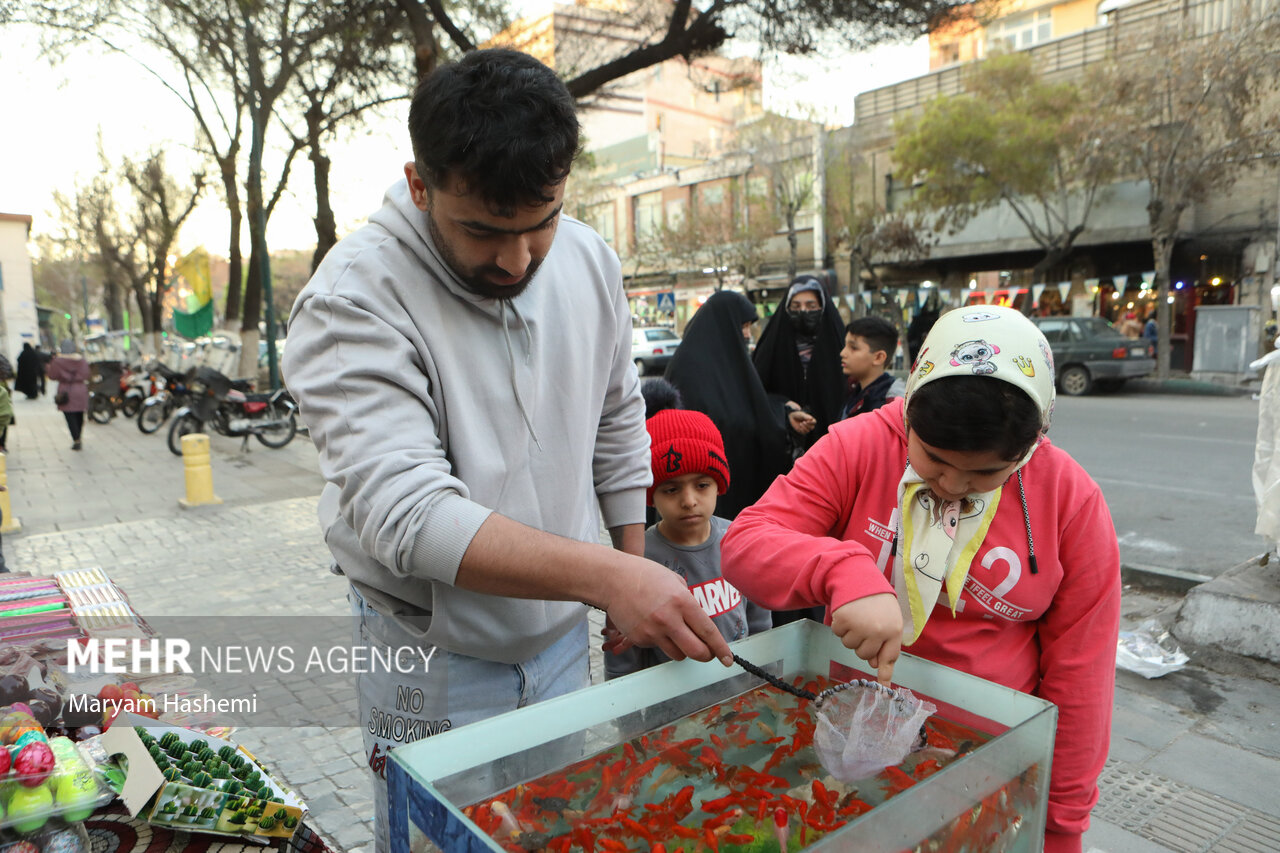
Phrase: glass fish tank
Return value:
(695, 756)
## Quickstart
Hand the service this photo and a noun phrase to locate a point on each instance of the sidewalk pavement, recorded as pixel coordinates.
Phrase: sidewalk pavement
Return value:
(1191, 752)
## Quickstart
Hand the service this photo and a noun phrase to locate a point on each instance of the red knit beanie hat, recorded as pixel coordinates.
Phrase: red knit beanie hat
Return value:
(682, 441)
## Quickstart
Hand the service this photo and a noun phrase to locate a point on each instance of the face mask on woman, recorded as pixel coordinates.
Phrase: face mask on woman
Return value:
(805, 322)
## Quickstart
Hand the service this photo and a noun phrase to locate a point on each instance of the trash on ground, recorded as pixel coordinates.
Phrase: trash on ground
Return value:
(1149, 650)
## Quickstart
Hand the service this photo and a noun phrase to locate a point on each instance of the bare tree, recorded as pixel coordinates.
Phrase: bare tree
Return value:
(872, 235)
(1193, 106)
(782, 151)
(162, 206)
(628, 37)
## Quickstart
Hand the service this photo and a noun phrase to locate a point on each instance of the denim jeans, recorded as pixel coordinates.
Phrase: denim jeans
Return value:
(445, 690)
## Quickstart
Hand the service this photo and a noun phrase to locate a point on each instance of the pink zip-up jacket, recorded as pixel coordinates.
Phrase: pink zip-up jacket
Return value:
(822, 535)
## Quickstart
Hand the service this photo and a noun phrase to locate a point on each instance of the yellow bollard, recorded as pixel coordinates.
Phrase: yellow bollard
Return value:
(11, 524)
(195, 461)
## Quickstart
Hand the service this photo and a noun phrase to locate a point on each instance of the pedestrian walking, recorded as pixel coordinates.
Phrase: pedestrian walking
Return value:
(798, 359)
(713, 372)
(469, 443)
(6, 410)
(30, 372)
(958, 487)
(71, 371)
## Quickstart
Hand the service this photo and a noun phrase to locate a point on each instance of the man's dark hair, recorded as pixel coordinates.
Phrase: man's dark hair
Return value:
(501, 122)
(975, 413)
(878, 332)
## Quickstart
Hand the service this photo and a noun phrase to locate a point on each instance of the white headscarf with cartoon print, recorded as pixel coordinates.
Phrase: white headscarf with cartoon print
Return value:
(938, 539)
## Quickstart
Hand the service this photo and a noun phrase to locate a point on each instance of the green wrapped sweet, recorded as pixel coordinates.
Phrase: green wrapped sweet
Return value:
(201, 780)
(155, 752)
(168, 739)
(226, 752)
(238, 818)
(198, 744)
(207, 812)
(254, 776)
(222, 771)
(190, 811)
(255, 813)
(267, 824)
(276, 799)
(281, 814)
(176, 750)
(241, 771)
(204, 754)
(170, 808)
(233, 786)
(173, 774)
(191, 768)
(290, 822)
(237, 761)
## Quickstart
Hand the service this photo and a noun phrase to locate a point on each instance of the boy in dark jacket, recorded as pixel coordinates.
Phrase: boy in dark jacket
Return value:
(869, 343)
(689, 472)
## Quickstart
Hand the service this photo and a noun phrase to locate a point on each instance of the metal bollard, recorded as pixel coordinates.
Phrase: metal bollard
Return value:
(199, 473)
(11, 524)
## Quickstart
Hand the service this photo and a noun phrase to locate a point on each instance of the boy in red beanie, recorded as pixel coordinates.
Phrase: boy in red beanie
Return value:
(689, 472)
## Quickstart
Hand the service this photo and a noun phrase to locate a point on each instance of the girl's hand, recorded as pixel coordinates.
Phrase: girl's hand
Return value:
(872, 628)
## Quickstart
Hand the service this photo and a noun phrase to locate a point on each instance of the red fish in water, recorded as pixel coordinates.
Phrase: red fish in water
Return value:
(897, 781)
(926, 768)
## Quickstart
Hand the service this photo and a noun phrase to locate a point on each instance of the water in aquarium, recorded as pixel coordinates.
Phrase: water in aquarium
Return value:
(741, 775)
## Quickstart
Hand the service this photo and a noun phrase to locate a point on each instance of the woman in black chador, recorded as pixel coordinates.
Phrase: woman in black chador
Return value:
(30, 369)
(798, 359)
(713, 372)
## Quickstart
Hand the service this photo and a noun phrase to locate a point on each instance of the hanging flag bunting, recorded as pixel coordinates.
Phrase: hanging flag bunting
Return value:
(866, 299)
(1064, 288)
(1036, 290)
(1120, 281)
(193, 316)
(1091, 284)
(989, 296)
(904, 296)
(922, 296)
(1149, 279)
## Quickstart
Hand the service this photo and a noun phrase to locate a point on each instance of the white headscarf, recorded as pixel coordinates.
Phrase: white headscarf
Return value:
(939, 538)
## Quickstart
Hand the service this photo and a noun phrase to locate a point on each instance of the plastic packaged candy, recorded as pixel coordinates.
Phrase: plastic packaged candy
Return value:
(1149, 651)
(45, 784)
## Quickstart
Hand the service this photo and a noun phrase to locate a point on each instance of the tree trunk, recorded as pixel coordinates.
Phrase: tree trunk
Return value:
(326, 225)
(144, 306)
(112, 302)
(793, 242)
(235, 264)
(1162, 252)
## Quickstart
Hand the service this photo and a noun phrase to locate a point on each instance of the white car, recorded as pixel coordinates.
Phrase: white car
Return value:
(652, 348)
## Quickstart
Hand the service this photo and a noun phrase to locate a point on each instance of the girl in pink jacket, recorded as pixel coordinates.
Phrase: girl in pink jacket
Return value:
(947, 524)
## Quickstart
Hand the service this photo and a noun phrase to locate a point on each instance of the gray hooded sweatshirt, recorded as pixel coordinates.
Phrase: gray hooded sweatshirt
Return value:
(432, 407)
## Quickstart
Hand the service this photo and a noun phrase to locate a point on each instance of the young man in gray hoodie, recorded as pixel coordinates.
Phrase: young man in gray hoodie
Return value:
(474, 420)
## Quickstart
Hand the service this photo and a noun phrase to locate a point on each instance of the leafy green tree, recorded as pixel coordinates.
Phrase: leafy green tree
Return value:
(1041, 148)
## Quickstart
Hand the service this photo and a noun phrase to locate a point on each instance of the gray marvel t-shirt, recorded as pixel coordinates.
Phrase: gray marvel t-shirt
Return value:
(699, 565)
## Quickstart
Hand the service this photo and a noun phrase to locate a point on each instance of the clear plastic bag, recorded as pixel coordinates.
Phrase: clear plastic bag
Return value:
(866, 727)
(1149, 650)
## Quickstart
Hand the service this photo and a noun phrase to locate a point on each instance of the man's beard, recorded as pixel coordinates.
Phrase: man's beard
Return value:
(474, 280)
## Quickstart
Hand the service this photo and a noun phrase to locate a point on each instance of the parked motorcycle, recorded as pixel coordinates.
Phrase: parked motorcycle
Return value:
(232, 410)
(169, 393)
(106, 389)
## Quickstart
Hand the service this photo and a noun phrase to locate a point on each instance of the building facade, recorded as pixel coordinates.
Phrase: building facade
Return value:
(18, 321)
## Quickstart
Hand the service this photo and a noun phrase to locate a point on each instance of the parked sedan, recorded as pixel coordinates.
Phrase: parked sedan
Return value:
(1088, 351)
(652, 348)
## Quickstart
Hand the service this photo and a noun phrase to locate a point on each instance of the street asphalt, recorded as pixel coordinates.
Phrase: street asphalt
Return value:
(1191, 752)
